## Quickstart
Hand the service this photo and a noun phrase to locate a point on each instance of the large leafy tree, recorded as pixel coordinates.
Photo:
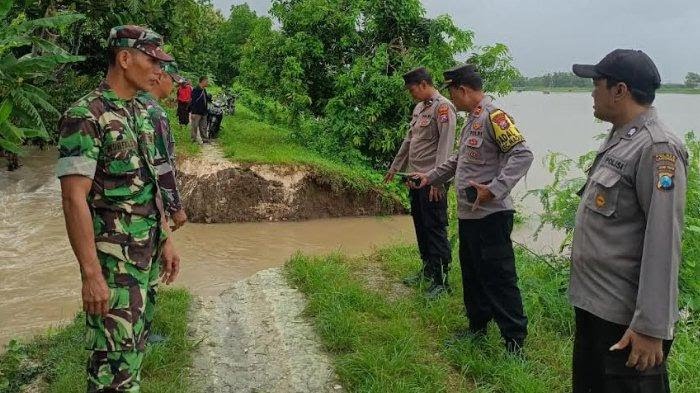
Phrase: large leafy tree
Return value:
(343, 61)
(190, 27)
(28, 53)
(230, 37)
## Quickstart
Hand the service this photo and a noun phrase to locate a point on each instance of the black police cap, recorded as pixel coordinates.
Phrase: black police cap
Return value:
(417, 76)
(633, 67)
(463, 74)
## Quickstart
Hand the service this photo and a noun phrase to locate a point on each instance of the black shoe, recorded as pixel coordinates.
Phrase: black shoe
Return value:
(514, 347)
(437, 290)
(415, 280)
(466, 334)
(440, 284)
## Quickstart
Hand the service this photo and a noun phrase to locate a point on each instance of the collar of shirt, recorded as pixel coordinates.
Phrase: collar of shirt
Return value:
(637, 123)
(625, 132)
(430, 101)
(111, 97)
(482, 105)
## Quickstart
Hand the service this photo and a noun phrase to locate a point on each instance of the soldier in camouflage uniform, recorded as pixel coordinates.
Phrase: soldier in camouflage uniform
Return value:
(165, 141)
(113, 209)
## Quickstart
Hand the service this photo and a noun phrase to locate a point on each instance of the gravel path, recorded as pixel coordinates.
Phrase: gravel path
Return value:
(255, 339)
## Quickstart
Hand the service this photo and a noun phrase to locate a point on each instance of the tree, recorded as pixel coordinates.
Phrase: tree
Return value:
(231, 36)
(340, 63)
(25, 59)
(692, 80)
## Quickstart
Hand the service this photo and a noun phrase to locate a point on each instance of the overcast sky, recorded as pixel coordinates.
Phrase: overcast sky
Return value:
(549, 35)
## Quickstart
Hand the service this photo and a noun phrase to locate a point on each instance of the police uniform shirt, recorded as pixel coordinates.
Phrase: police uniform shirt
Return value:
(430, 138)
(627, 239)
(492, 151)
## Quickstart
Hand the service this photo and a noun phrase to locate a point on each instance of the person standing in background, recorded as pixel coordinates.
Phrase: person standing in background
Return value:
(184, 96)
(198, 109)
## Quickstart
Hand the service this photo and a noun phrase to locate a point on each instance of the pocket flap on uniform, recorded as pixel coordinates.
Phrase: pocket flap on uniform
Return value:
(606, 177)
(602, 195)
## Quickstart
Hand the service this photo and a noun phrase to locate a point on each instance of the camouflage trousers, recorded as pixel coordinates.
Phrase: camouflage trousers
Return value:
(117, 342)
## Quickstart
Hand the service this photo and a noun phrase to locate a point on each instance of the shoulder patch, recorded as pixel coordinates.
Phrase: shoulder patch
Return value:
(444, 113)
(665, 170)
(507, 135)
(668, 157)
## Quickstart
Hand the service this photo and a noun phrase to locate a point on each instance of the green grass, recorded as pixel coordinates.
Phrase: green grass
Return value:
(60, 359)
(386, 339)
(184, 147)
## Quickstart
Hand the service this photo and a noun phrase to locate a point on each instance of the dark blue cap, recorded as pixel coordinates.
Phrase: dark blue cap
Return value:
(633, 67)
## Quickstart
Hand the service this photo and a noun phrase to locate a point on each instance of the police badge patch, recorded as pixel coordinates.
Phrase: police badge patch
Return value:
(507, 135)
(665, 182)
(424, 121)
(665, 171)
(444, 113)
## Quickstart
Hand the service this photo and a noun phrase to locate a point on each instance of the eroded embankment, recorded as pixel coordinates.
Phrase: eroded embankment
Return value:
(216, 190)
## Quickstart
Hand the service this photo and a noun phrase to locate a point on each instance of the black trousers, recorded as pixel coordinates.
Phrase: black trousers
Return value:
(430, 222)
(489, 278)
(598, 370)
(183, 113)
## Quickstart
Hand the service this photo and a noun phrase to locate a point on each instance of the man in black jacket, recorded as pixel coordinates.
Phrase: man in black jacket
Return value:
(198, 110)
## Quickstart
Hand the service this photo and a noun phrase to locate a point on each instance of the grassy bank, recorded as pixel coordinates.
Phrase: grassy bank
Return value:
(55, 362)
(388, 338)
(184, 147)
(245, 139)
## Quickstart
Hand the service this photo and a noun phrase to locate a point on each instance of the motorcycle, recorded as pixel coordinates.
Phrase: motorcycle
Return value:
(225, 104)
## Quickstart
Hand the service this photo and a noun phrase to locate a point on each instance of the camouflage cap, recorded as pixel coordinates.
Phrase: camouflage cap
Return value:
(141, 38)
(170, 68)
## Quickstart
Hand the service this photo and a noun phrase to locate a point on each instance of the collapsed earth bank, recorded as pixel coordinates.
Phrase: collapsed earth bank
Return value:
(216, 190)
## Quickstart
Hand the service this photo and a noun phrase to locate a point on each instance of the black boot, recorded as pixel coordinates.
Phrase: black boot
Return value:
(471, 333)
(440, 285)
(514, 346)
(420, 277)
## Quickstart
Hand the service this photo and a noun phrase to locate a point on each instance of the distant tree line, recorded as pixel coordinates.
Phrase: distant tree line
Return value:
(555, 79)
(568, 79)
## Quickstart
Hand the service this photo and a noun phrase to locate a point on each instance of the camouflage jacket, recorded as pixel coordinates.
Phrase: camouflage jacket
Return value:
(112, 142)
(165, 153)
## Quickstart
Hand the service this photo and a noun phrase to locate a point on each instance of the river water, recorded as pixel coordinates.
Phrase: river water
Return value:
(39, 277)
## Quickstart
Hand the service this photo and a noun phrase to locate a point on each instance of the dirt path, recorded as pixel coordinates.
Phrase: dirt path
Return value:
(254, 339)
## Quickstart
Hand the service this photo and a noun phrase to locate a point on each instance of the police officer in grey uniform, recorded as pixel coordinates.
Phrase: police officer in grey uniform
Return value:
(491, 159)
(429, 142)
(627, 238)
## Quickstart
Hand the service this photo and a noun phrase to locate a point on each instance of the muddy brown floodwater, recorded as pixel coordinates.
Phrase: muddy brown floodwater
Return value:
(39, 277)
